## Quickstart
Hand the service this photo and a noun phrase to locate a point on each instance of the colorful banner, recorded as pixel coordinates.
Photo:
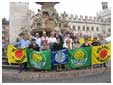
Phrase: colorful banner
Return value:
(59, 57)
(76, 58)
(101, 54)
(16, 55)
(80, 57)
(39, 60)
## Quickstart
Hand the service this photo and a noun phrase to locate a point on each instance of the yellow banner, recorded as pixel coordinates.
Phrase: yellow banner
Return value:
(16, 55)
(81, 41)
(101, 54)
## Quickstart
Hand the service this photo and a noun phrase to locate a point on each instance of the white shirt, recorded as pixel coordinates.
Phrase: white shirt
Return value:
(38, 41)
(52, 40)
(44, 38)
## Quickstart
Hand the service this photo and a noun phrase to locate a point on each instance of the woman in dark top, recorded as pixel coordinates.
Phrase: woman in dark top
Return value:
(85, 44)
(95, 42)
(58, 46)
(33, 45)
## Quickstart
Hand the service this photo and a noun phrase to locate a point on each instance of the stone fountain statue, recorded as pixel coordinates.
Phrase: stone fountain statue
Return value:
(46, 19)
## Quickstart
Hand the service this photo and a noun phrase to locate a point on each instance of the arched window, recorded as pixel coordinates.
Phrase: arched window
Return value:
(87, 28)
(97, 29)
(78, 28)
(92, 28)
(109, 30)
(83, 28)
(73, 27)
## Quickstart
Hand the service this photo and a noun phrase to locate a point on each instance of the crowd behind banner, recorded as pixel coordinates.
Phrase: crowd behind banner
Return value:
(44, 50)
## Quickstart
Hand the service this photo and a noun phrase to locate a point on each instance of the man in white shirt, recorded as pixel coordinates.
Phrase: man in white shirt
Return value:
(52, 39)
(38, 40)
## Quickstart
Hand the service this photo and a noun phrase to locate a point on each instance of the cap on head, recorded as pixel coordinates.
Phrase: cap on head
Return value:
(33, 40)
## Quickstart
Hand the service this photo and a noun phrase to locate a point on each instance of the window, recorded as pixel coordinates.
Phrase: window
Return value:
(78, 28)
(97, 29)
(6, 32)
(92, 28)
(3, 32)
(3, 37)
(83, 28)
(87, 28)
(109, 30)
(73, 27)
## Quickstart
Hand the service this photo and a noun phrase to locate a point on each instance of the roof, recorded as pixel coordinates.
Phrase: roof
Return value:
(41, 3)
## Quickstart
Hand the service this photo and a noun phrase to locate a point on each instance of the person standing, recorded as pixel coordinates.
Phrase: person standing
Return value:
(44, 46)
(68, 42)
(95, 42)
(4, 48)
(76, 43)
(103, 42)
(34, 45)
(38, 39)
(24, 43)
(52, 40)
(44, 37)
(85, 44)
(58, 46)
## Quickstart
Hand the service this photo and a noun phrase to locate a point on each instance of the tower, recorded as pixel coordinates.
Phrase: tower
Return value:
(19, 19)
(104, 5)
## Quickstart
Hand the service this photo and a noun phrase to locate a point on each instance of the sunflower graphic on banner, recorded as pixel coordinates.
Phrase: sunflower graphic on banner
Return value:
(80, 57)
(60, 56)
(39, 60)
(101, 54)
(15, 55)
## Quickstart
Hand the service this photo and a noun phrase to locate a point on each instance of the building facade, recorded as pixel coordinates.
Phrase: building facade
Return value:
(89, 24)
(20, 19)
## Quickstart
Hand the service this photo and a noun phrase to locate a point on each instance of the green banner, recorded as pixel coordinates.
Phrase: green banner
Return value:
(80, 57)
(39, 60)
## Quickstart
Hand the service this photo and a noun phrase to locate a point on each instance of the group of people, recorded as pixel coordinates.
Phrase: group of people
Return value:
(55, 42)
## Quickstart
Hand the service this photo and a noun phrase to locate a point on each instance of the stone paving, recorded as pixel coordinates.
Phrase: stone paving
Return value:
(30, 75)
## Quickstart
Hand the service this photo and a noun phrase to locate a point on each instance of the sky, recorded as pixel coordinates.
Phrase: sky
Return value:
(78, 7)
